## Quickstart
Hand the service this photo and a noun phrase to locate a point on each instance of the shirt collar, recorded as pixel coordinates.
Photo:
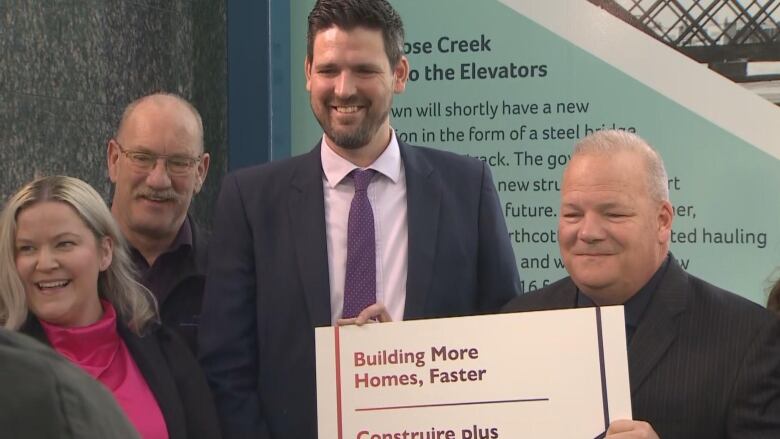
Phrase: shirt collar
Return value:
(93, 346)
(184, 237)
(635, 307)
(182, 242)
(336, 167)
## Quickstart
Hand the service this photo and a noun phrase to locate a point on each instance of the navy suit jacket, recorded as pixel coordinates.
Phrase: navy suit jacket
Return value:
(703, 363)
(268, 286)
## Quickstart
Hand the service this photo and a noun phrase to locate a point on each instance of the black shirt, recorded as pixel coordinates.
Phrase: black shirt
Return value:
(635, 307)
(163, 273)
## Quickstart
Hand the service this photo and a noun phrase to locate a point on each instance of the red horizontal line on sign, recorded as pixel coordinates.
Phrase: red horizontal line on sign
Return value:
(450, 404)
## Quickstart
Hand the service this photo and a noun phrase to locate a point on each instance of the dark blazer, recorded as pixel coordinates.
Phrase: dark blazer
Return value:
(173, 376)
(268, 287)
(703, 363)
(180, 303)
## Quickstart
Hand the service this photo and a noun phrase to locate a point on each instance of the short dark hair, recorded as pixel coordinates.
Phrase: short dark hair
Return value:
(349, 14)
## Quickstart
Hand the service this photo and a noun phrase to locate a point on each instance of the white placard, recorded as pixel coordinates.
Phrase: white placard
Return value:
(549, 374)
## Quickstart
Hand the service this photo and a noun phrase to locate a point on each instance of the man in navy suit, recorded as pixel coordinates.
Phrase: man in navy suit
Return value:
(279, 254)
(702, 362)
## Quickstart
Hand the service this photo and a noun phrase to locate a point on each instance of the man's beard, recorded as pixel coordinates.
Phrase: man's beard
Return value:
(354, 137)
(351, 139)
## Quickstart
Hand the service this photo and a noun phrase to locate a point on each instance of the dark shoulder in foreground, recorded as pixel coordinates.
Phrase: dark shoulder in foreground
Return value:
(45, 396)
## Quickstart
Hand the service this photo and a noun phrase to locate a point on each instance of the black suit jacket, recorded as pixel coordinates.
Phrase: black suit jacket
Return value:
(268, 285)
(172, 374)
(703, 363)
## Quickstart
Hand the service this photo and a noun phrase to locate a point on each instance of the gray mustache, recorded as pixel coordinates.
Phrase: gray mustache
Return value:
(166, 195)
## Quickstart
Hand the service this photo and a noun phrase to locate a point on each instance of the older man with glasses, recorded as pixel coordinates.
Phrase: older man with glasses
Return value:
(157, 163)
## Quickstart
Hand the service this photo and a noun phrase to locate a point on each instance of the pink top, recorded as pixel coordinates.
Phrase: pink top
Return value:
(100, 352)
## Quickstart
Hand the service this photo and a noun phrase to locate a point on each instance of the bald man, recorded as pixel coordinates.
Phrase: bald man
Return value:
(157, 164)
(702, 362)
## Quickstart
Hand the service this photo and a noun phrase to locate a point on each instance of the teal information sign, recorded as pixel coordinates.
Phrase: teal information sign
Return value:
(516, 82)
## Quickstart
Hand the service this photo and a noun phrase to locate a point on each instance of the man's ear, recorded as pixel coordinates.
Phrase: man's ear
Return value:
(203, 170)
(665, 219)
(112, 157)
(400, 75)
(307, 72)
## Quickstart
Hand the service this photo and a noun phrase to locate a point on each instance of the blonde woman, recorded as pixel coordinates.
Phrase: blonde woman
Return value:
(66, 279)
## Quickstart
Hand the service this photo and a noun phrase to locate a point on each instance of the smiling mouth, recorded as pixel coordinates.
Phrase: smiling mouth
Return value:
(54, 284)
(348, 109)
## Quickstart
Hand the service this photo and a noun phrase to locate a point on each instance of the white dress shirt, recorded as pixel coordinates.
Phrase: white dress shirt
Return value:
(387, 194)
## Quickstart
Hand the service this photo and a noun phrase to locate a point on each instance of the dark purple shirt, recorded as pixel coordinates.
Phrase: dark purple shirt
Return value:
(162, 275)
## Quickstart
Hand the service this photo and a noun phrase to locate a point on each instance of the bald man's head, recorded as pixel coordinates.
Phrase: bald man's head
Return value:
(171, 101)
(157, 164)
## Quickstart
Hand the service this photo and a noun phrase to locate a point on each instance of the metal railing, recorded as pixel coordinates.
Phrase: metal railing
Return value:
(717, 32)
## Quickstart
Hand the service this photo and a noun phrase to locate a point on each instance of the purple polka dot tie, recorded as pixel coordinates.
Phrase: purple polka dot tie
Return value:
(360, 281)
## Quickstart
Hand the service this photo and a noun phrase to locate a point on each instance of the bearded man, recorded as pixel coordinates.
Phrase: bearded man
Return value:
(363, 220)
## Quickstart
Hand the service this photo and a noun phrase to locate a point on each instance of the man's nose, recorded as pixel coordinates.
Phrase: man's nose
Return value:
(158, 177)
(591, 228)
(345, 85)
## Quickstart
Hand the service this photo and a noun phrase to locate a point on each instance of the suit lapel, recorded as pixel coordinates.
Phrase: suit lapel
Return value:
(423, 198)
(659, 327)
(306, 209)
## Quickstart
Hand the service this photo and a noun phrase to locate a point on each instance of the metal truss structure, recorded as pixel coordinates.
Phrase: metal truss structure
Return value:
(726, 34)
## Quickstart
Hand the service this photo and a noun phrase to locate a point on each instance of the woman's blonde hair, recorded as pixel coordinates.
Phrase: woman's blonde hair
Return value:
(773, 302)
(134, 303)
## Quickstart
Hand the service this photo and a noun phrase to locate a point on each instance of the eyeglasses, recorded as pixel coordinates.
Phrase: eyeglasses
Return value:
(145, 161)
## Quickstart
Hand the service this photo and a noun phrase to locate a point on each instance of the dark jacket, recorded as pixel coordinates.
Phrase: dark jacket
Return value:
(44, 396)
(703, 363)
(180, 305)
(268, 285)
(172, 374)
